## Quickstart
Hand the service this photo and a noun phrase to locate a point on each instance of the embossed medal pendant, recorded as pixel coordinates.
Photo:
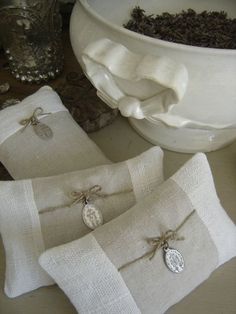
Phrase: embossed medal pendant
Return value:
(174, 260)
(92, 216)
(43, 131)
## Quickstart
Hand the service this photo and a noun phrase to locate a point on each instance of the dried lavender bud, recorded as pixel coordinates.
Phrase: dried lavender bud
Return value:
(206, 29)
(9, 102)
(4, 88)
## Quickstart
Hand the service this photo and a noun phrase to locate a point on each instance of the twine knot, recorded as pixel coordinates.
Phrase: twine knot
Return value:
(162, 241)
(33, 120)
(85, 196)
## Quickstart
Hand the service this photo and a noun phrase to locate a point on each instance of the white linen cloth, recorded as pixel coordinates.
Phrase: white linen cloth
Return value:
(26, 232)
(25, 155)
(210, 240)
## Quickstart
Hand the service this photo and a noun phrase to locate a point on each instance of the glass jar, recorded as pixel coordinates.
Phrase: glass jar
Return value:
(31, 36)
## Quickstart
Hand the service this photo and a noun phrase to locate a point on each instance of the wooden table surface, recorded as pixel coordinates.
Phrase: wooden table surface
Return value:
(119, 141)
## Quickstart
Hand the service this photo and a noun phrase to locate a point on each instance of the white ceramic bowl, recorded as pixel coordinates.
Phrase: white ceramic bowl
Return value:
(181, 97)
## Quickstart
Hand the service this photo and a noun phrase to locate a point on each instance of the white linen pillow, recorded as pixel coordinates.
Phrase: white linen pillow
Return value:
(106, 271)
(36, 214)
(26, 155)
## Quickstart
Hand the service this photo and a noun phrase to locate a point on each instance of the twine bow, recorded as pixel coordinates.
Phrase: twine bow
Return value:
(33, 120)
(85, 196)
(161, 241)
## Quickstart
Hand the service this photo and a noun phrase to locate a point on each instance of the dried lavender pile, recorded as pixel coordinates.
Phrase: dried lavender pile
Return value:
(205, 29)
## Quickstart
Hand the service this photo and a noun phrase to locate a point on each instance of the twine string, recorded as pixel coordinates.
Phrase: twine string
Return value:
(33, 119)
(85, 196)
(161, 241)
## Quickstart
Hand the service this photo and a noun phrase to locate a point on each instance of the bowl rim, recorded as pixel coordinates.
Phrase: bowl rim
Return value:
(188, 48)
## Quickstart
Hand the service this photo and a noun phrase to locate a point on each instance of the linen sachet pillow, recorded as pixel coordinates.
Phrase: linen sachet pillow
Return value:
(130, 265)
(38, 137)
(43, 212)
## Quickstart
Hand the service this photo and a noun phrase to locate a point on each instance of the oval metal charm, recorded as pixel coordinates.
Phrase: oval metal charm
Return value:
(174, 260)
(43, 131)
(92, 216)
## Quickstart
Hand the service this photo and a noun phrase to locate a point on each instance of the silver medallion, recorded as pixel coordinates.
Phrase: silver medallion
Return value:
(43, 131)
(92, 216)
(174, 260)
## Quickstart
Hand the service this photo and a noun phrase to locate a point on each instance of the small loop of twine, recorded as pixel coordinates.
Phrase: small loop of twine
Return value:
(161, 241)
(85, 196)
(33, 120)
